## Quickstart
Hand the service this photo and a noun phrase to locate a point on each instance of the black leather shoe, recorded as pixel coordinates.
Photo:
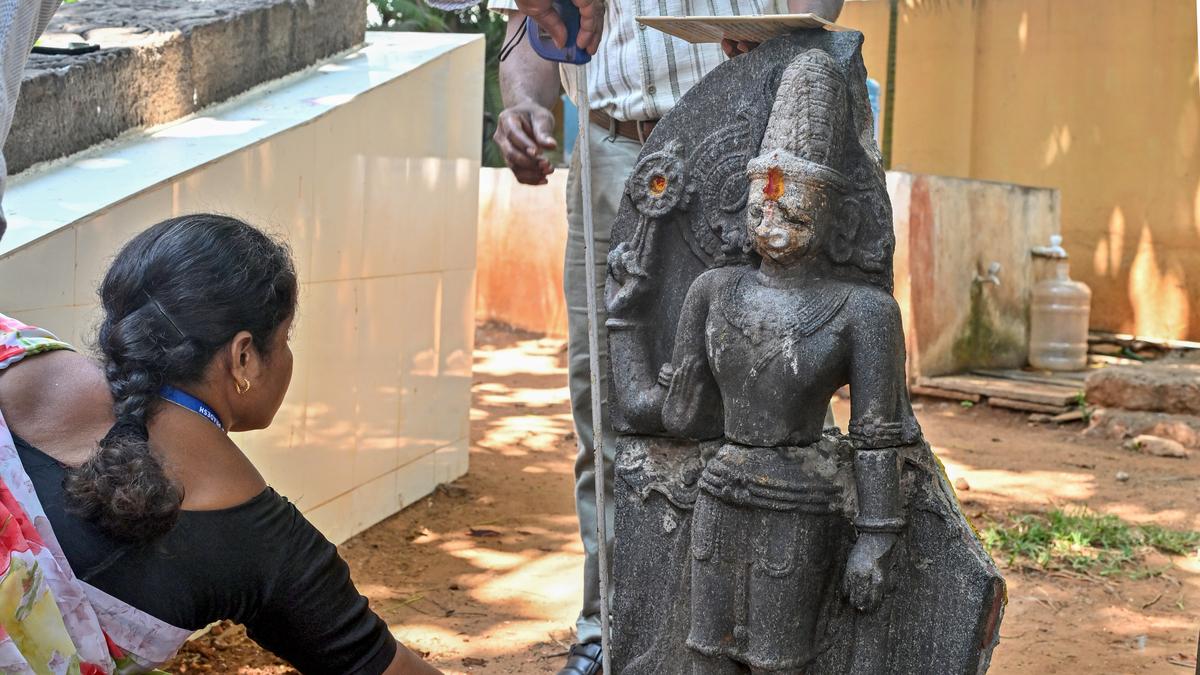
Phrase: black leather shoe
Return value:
(584, 659)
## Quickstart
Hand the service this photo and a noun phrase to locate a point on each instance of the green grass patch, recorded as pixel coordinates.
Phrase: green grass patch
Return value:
(1081, 541)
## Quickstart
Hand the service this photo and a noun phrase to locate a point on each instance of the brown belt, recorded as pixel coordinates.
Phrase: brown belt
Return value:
(634, 131)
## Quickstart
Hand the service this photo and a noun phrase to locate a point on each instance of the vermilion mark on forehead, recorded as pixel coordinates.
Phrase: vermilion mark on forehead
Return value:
(774, 187)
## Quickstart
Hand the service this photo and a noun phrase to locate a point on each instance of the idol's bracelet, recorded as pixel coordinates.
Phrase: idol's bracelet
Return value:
(877, 476)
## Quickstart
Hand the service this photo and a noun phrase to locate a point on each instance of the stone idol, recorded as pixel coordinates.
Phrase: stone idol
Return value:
(750, 279)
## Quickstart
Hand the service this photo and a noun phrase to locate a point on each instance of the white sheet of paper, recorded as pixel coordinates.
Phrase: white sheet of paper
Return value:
(699, 29)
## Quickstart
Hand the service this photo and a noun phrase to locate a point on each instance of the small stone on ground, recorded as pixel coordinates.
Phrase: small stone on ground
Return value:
(1159, 447)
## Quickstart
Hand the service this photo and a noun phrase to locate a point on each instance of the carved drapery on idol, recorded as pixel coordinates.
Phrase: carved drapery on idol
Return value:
(749, 280)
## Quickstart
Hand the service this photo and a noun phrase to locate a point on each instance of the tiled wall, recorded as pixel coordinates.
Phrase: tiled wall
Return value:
(378, 199)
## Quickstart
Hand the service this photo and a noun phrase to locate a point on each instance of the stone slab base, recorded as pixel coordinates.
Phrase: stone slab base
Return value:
(161, 60)
(1121, 425)
(1169, 387)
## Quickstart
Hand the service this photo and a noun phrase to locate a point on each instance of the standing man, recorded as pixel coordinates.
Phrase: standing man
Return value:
(636, 76)
(21, 23)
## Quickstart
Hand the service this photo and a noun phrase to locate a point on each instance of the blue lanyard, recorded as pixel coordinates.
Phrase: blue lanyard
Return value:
(186, 400)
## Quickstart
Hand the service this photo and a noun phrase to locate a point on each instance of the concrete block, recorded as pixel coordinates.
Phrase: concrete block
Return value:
(1158, 447)
(161, 60)
(1172, 387)
(1123, 424)
(949, 231)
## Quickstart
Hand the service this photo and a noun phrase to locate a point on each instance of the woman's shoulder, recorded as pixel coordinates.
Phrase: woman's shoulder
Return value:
(57, 400)
(261, 533)
(63, 375)
(215, 478)
(262, 510)
(208, 466)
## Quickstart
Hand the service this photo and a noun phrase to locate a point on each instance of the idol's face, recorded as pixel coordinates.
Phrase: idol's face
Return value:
(784, 215)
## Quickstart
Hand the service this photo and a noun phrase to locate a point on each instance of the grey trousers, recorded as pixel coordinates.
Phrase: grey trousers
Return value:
(612, 161)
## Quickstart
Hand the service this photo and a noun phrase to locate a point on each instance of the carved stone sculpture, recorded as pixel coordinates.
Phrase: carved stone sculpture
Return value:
(749, 280)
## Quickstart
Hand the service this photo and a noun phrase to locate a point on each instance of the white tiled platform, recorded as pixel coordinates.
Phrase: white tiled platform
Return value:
(368, 166)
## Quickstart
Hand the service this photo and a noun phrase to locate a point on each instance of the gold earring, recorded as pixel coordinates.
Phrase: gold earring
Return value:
(243, 386)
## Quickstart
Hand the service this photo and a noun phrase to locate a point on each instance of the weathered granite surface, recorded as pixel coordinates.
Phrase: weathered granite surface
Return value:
(750, 278)
(161, 60)
(1169, 386)
(1121, 425)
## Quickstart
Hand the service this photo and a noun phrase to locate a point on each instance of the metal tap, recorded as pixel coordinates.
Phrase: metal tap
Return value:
(991, 277)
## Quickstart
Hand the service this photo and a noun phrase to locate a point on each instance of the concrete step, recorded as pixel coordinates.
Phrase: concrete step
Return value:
(1169, 387)
(161, 60)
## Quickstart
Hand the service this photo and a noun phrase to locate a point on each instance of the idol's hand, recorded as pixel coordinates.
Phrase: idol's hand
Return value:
(867, 569)
(623, 262)
(685, 394)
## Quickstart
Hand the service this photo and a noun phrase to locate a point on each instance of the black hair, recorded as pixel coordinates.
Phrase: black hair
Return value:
(172, 298)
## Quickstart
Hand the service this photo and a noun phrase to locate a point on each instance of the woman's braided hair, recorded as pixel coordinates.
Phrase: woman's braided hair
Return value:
(173, 296)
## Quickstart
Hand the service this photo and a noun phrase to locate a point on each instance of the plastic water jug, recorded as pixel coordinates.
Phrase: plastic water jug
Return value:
(1058, 316)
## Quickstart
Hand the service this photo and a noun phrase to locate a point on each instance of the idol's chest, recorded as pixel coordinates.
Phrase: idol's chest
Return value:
(757, 331)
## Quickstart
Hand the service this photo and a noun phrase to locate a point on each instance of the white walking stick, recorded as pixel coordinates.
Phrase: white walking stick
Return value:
(589, 255)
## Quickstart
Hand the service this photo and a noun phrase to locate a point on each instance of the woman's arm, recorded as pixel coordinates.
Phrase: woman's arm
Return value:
(303, 605)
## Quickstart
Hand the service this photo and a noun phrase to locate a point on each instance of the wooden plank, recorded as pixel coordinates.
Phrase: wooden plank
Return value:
(1042, 376)
(1076, 377)
(1013, 404)
(1097, 336)
(1075, 415)
(1033, 392)
(1113, 360)
(945, 393)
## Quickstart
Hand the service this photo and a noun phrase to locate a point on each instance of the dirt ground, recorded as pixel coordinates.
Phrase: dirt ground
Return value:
(484, 576)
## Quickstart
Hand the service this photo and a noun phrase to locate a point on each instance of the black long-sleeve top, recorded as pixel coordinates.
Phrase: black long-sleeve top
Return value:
(260, 563)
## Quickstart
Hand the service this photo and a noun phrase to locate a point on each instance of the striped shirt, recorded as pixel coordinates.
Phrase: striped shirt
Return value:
(639, 73)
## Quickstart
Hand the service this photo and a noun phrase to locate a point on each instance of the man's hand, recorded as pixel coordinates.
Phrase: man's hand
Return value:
(826, 9)
(734, 47)
(523, 133)
(591, 21)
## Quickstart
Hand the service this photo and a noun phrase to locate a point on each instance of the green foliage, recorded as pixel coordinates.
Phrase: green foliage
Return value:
(1082, 541)
(1082, 404)
(416, 16)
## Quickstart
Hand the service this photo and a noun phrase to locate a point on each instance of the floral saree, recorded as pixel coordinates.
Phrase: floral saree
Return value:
(50, 620)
